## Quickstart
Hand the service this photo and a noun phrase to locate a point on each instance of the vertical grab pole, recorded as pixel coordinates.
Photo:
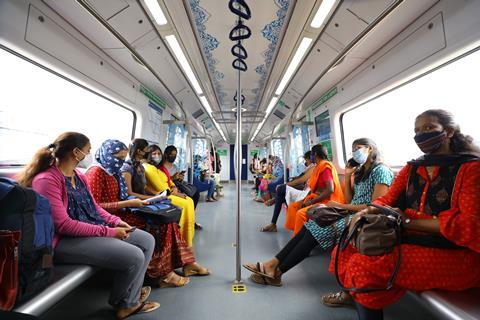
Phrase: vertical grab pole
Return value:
(238, 180)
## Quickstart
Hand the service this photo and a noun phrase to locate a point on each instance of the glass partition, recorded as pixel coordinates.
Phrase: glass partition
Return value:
(176, 136)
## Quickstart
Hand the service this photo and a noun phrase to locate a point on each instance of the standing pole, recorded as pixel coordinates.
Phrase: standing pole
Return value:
(238, 278)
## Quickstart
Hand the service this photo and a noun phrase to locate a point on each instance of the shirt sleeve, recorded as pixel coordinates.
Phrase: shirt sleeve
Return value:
(325, 176)
(154, 178)
(461, 223)
(382, 175)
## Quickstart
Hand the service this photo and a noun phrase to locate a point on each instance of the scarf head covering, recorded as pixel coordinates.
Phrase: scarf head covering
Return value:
(105, 157)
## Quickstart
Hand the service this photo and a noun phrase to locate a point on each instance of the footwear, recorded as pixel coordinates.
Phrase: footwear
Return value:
(258, 270)
(258, 199)
(195, 270)
(168, 283)
(209, 200)
(270, 202)
(214, 199)
(145, 293)
(337, 299)
(198, 226)
(269, 228)
(144, 307)
(277, 282)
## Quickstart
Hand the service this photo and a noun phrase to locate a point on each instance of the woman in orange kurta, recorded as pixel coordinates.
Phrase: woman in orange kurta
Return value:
(324, 186)
(440, 196)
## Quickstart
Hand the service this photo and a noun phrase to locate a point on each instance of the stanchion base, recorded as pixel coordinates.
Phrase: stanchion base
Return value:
(239, 287)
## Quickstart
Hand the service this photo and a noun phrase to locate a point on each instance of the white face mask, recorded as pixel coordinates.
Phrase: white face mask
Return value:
(86, 161)
(157, 159)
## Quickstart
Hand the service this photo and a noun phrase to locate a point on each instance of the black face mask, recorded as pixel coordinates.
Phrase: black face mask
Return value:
(171, 158)
(430, 142)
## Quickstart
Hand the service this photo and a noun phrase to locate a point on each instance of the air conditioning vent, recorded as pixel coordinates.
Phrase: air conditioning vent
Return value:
(197, 113)
(279, 114)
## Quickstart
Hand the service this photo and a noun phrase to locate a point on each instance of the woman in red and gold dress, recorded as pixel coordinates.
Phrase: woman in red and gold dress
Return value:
(439, 197)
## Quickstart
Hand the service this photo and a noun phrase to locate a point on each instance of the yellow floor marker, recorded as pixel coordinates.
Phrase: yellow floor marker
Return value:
(239, 288)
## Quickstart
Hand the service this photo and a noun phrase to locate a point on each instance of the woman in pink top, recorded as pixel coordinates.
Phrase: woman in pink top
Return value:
(84, 232)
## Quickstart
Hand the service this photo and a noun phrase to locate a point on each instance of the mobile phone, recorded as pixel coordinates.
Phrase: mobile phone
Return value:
(352, 163)
(182, 172)
(131, 229)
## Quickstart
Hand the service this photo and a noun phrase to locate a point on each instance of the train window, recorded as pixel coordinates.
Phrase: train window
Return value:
(389, 118)
(300, 144)
(176, 137)
(200, 155)
(277, 148)
(36, 106)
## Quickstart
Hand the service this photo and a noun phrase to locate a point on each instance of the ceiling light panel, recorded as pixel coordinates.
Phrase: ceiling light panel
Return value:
(182, 59)
(322, 13)
(297, 58)
(205, 103)
(156, 11)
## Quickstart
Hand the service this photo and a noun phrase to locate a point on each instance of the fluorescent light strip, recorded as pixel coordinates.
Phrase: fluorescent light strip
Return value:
(205, 103)
(177, 50)
(297, 58)
(322, 13)
(271, 105)
(157, 13)
(219, 130)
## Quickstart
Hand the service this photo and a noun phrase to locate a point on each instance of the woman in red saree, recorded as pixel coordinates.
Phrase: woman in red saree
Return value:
(439, 194)
(324, 186)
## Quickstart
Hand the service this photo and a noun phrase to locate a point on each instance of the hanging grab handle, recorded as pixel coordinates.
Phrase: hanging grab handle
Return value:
(235, 97)
(240, 32)
(239, 51)
(242, 9)
(239, 64)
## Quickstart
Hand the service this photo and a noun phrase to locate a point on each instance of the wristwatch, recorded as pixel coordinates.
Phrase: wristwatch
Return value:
(406, 220)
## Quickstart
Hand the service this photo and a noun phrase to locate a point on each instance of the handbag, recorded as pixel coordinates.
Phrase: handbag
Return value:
(9, 280)
(373, 235)
(163, 212)
(184, 187)
(325, 216)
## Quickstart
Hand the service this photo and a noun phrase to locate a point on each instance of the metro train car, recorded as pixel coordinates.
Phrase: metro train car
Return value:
(239, 159)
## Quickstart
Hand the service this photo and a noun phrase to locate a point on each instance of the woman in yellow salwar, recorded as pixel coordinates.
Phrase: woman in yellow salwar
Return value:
(324, 186)
(158, 180)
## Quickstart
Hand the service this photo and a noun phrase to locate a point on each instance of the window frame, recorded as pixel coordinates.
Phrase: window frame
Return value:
(65, 77)
(401, 84)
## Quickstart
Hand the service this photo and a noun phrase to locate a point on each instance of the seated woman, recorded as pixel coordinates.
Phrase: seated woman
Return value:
(201, 179)
(278, 173)
(109, 186)
(84, 232)
(324, 186)
(439, 196)
(159, 180)
(371, 180)
(293, 194)
(265, 175)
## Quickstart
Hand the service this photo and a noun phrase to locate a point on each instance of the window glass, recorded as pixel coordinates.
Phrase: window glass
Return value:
(176, 137)
(389, 119)
(300, 144)
(36, 106)
(200, 155)
(277, 148)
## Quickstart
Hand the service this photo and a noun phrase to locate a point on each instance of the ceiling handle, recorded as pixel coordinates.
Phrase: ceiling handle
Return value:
(240, 32)
(242, 10)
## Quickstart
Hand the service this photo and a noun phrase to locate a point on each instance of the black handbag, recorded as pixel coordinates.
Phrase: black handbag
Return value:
(186, 188)
(325, 216)
(159, 213)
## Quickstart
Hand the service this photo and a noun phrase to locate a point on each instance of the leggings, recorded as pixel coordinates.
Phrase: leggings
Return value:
(296, 250)
(279, 200)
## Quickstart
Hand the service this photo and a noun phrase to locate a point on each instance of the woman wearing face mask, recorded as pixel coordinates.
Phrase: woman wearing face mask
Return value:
(84, 232)
(438, 194)
(159, 180)
(372, 179)
(106, 181)
(324, 186)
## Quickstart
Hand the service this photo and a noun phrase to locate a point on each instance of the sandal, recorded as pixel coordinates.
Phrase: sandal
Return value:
(269, 228)
(198, 226)
(195, 270)
(209, 200)
(165, 282)
(337, 299)
(270, 202)
(277, 282)
(145, 293)
(144, 307)
(258, 270)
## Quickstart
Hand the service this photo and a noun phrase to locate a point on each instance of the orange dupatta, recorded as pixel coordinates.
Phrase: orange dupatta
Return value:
(337, 194)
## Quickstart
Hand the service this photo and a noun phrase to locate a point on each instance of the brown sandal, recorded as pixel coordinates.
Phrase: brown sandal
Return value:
(270, 202)
(337, 299)
(269, 228)
(165, 282)
(258, 270)
(277, 282)
(195, 270)
(144, 307)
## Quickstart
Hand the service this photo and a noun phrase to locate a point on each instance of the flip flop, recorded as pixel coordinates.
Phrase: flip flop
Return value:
(266, 281)
(182, 282)
(188, 272)
(144, 307)
(145, 293)
(258, 271)
(268, 228)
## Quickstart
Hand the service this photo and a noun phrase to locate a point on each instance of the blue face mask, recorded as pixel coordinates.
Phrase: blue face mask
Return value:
(360, 155)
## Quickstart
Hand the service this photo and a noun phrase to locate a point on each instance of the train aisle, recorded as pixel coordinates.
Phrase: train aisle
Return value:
(212, 298)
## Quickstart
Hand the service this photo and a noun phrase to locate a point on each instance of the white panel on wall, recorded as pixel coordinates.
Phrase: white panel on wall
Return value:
(49, 37)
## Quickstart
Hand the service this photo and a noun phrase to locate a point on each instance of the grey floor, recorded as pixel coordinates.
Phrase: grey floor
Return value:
(212, 298)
